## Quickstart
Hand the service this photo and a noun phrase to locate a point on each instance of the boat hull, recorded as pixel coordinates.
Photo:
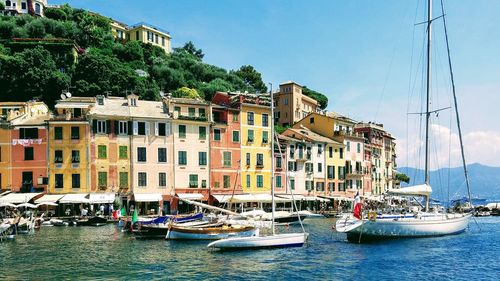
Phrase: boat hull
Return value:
(404, 227)
(210, 233)
(255, 242)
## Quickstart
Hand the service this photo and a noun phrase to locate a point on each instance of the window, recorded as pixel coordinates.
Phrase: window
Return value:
(320, 149)
(123, 152)
(101, 127)
(23, 5)
(250, 135)
(58, 133)
(202, 133)
(38, 9)
(59, 181)
(202, 158)
(178, 110)
(311, 120)
(227, 181)
(341, 153)
(248, 159)
(320, 186)
(279, 163)
(141, 179)
(162, 155)
(201, 112)
(250, 118)
(236, 136)
(292, 184)
(216, 134)
(193, 181)
(330, 152)
(341, 172)
(123, 180)
(278, 181)
(260, 181)
(285, 101)
(182, 158)
(141, 128)
(292, 166)
(156, 38)
(265, 137)
(227, 158)
(341, 186)
(331, 186)
(102, 180)
(348, 146)
(191, 112)
(137, 35)
(292, 151)
(58, 156)
(162, 129)
(248, 181)
(101, 152)
(309, 185)
(320, 167)
(265, 120)
(216, 184)
(75, 133)
(28, 133)
(163, 41)
(141, 154)
(28, 153)
(162, 179)
(331, 172)
(75, 156)
(358, 147)
(75, 181)
(203, 183)
(235, 117)
(182, 131)
(123, 128)
(260, 159)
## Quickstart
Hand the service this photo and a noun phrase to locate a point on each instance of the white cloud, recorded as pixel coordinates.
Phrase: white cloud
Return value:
(479, 146)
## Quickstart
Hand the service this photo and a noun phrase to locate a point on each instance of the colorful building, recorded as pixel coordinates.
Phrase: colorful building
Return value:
(32, 7)
(69, 146)
(143, 32)
(291, 105)
(225, 147)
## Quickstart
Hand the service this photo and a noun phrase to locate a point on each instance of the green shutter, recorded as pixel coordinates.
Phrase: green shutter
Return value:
(250, 135)
(123, 152)
(227, 158)
(202, 132)
(123, 179)
(101, 152)
(236, 136)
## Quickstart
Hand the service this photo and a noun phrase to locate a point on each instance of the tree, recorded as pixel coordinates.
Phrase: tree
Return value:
(2, 6)
(251, 78)
(191, 49)
(319, 97)
(186, 92)
(402, 177)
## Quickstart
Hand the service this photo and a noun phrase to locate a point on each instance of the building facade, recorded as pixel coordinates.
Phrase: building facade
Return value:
(143, 32)
(291, 105)
(32, 7)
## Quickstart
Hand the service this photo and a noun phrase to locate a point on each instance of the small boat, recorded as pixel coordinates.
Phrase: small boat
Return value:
(93, 221)
(271, 241)
(160, 231)
(209, 232)
(311, 215)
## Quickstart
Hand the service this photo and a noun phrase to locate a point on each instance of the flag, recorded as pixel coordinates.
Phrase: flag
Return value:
(357, 206)
(123, 212)
(134, 217)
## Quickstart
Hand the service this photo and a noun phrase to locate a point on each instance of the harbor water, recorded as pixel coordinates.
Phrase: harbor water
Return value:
(92, 253)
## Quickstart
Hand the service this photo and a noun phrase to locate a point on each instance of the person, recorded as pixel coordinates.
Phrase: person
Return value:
(101, 209)
(111, 209)
(68, 211)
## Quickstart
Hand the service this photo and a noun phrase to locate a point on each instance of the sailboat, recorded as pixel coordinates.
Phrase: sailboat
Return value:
(374, 226)
(265, 241)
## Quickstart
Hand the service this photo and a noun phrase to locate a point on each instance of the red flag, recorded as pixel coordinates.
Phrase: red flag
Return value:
(357, 206)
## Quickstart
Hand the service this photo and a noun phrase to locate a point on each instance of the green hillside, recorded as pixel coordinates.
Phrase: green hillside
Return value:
(37, 62)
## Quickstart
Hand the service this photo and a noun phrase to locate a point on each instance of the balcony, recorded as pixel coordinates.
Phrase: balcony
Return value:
(193, 118)
(355, 173)
(302, 157)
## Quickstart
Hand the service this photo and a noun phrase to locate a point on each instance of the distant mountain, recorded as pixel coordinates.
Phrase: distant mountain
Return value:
(484, 180)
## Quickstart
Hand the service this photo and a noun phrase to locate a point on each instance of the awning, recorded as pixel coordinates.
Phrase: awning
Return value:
(297, 197)
(147, 197)
(16, 198)
(190, 196)
(49, 198)
(76, 198)
(223, 198)
(422, 190)
(316, 198)
(338, 198)
(101, 198)
(259, 197)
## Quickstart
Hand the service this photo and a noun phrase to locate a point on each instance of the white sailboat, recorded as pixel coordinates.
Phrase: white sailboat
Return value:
(421, 223)
(265, 241)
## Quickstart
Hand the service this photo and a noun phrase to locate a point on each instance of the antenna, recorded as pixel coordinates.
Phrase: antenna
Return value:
(63, 96)
(68, 94)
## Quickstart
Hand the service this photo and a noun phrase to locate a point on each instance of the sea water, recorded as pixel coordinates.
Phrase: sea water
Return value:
(92, 253)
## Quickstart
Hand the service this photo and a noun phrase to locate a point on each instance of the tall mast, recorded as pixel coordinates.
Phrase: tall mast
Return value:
(428, 92)
(272, 155)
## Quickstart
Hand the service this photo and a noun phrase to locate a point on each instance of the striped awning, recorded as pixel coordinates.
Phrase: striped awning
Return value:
(17, 198)
(75, 198)
(49, 198)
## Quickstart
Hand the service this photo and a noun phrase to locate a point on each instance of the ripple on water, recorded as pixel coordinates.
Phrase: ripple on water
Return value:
(106, 253)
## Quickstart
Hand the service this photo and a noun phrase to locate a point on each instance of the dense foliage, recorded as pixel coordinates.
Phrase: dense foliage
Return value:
(402, 177)
(46, 67)
(322, 99)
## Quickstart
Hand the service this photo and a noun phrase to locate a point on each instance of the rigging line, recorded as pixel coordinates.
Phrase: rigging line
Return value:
(456, 106)
(449, 160)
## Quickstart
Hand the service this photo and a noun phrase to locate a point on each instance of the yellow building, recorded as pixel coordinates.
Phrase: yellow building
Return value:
(255, 142)
(68, 153)
(291, 104)
(144, 32)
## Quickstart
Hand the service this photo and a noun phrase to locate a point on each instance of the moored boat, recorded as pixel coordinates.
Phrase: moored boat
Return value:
(93, 221)
(270, 241)
(210, 232)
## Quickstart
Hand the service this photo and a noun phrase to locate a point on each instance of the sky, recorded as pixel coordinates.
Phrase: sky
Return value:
(365, 56)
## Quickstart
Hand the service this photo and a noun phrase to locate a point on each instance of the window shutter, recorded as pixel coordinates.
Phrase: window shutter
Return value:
(129, 127)
(94, 126)
(147, 128)
(156, 128)
(167, 129)
(116, 125)
(108, 126)
(136, 128)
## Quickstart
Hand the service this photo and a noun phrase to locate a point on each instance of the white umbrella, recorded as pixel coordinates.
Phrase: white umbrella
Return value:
(7, 205)
(27, 205)
(46, 204)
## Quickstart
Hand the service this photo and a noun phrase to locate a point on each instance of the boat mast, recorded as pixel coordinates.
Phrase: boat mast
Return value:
(272, 156)
(428, 102)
